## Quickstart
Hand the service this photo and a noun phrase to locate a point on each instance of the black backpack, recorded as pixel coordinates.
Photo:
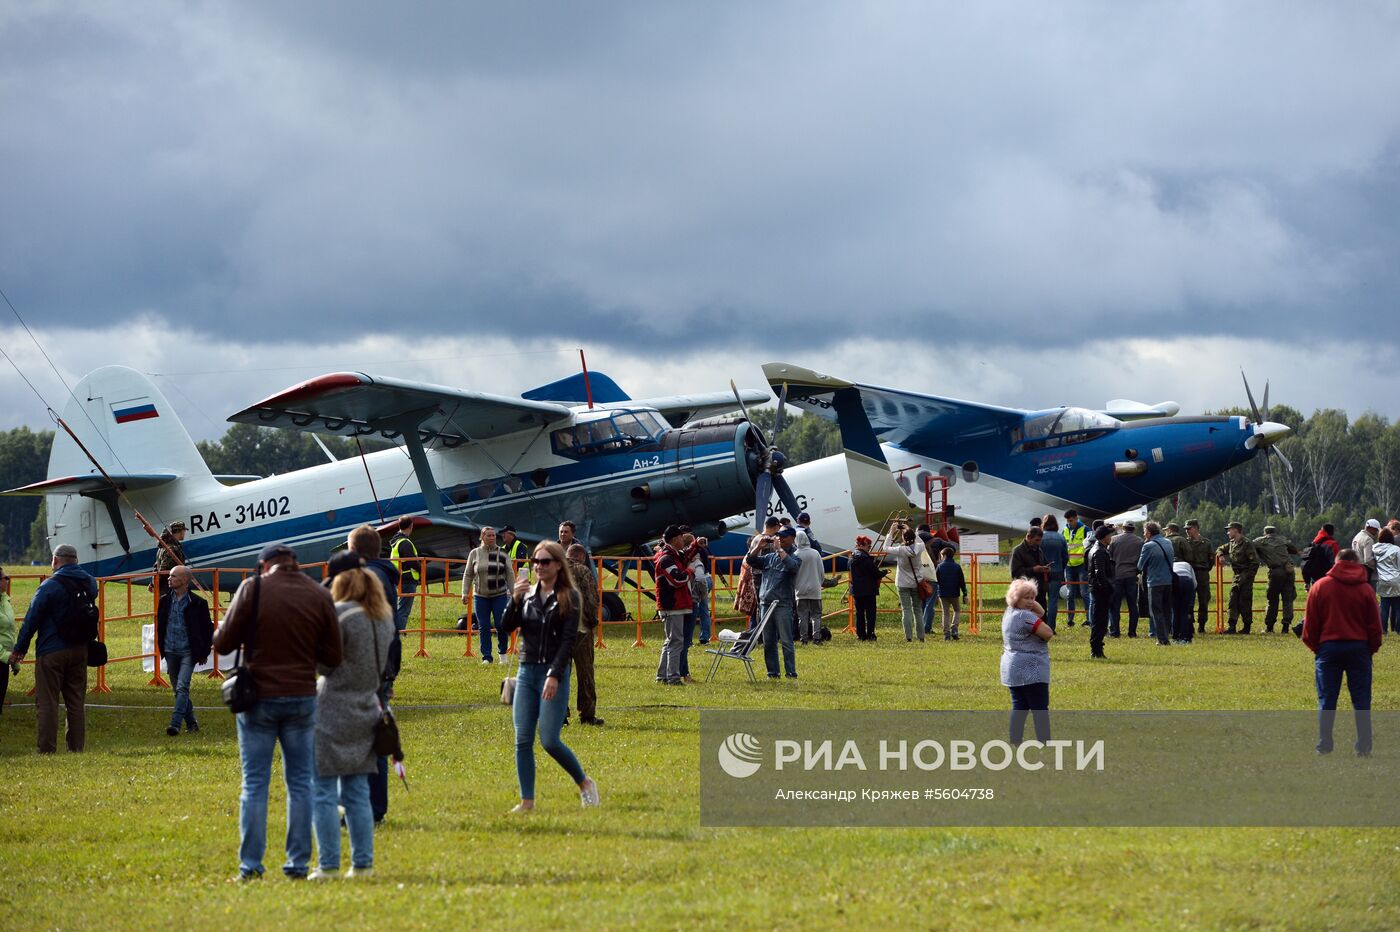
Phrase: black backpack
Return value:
(78, 625)
(1317, 560)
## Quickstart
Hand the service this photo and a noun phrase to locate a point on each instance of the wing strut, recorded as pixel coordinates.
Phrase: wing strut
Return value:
(432, 497)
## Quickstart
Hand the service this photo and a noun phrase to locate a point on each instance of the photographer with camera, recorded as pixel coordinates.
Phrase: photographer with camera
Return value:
(908, 570)
(673, 600)
(773, 558)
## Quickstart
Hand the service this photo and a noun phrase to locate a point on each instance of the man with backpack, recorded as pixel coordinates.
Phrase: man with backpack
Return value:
(63, 616)
(1319, 556)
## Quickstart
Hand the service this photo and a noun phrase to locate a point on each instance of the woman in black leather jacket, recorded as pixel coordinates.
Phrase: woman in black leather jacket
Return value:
(547, 615)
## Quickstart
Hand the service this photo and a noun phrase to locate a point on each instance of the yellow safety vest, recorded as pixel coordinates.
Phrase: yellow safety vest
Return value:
(398, 558)
(1075, 541)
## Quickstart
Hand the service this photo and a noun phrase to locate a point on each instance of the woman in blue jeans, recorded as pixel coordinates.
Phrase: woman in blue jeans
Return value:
(347, 707)
(547, 615)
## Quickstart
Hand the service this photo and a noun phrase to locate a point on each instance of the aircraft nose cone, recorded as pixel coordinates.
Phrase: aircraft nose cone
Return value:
(1271, 432)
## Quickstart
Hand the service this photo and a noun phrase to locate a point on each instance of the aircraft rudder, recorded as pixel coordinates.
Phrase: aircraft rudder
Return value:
(129, 427)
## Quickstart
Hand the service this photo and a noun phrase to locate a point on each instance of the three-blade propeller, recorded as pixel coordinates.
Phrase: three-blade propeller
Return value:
(1267, 434)
(770, 463)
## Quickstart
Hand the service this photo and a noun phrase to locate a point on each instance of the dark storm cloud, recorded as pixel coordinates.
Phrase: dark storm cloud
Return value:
(786, 174)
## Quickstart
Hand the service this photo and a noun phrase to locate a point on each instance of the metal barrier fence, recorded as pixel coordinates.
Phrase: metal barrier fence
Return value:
(623, 576)
(1219, 608)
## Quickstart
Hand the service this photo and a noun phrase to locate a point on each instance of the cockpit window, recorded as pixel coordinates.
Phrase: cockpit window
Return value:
(1067, 421)
(1062, 427)
(621, 430)
(628, 426)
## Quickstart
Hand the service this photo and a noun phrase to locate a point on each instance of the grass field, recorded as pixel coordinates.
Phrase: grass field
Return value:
(141, 831)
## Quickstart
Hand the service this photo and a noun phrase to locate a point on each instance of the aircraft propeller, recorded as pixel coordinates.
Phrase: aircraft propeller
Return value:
(1267, 435)
(769, 477)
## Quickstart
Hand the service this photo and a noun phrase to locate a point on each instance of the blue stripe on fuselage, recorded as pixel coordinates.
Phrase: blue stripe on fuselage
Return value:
(318, 526)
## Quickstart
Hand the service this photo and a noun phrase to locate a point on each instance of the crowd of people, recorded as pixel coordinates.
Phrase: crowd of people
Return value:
(1165, 573)
(325, 656)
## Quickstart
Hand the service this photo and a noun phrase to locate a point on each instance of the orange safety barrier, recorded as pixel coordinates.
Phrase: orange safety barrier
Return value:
(1259, 604)
(624, 571)
(106, 615)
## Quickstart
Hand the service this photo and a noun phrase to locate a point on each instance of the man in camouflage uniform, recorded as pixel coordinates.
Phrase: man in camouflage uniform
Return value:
(170, 552)
(1244, 560)
(1276, 552)
(1197, 551)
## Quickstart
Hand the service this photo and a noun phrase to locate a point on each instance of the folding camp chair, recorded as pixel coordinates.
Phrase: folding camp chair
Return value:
(741, 647)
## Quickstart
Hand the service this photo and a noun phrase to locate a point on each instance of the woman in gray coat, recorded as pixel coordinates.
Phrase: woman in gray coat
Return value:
(347, 707)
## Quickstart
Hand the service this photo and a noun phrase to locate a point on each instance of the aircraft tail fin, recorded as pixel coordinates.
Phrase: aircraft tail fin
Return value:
(874, 493)
(129, 427)
(571, 389)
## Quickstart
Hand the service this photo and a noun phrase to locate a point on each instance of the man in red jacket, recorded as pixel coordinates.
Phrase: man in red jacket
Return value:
(673, 602)
(1343, 628)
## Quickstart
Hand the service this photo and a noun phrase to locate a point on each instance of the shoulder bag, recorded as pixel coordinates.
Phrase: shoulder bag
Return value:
(386, 727)
(508, 686)
(508, 683)
(925, 588)
(239, 690)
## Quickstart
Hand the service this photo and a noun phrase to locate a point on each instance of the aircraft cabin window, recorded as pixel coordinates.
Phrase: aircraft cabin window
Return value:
(607, 435)
(628, 426)
(1064, 427)
(656, 426)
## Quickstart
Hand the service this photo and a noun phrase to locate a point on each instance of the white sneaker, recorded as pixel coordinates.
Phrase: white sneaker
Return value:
(359, 873)
(588, 794)
(319, 874)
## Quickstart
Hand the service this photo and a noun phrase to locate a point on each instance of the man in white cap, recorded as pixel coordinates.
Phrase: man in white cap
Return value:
(1364, 544)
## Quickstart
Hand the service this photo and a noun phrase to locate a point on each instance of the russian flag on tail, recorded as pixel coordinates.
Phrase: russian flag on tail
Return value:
(138, 409)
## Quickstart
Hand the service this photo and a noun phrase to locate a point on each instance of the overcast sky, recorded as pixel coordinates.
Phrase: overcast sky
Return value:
(1026, 204)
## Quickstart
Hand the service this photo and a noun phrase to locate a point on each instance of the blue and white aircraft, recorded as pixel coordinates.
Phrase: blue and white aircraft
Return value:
(1002, 466)
(616, 467)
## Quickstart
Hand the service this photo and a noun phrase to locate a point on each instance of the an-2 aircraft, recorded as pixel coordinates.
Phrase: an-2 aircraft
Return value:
(619, 468)
(1002, 466)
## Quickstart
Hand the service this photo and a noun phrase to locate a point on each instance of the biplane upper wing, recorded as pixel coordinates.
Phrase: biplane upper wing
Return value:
(353, 404)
